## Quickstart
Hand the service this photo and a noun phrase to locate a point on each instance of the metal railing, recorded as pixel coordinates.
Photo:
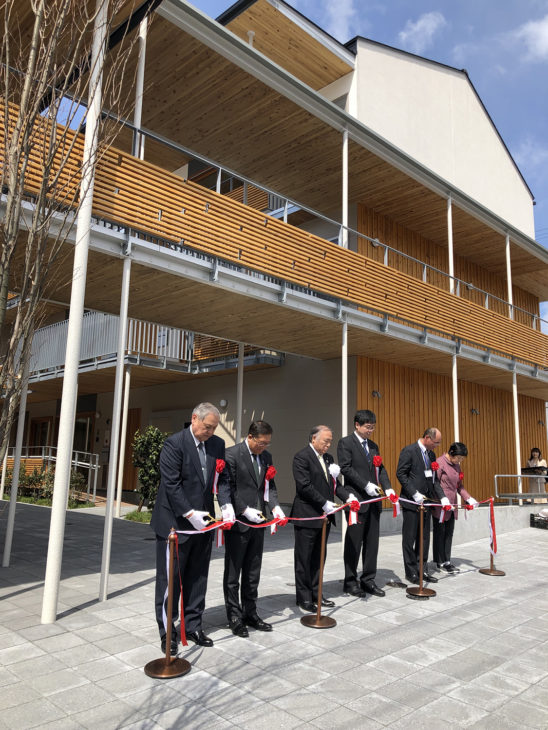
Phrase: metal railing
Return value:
(46, 457)
(286, 205)
(520, 494)
(100, 341)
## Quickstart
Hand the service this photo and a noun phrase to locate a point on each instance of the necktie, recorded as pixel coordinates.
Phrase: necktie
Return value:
(255, 460)
(366, 449)
(426, 459)
(202, 455)
(324, 468)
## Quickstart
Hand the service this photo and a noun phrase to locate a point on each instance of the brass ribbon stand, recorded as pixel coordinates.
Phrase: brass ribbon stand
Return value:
(169, 666)
(420, 593)
(318, 621)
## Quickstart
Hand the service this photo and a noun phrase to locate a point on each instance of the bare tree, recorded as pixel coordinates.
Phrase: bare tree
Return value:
(46, 51)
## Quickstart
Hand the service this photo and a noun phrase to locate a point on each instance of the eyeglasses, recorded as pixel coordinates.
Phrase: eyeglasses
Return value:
(369, 426)
(262, 444)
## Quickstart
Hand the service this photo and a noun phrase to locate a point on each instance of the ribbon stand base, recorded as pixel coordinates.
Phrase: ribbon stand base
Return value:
(317, 621)
(169, 666)
(420, 593)
(491, 570)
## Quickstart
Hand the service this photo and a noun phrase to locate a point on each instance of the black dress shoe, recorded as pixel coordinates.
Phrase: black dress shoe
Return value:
(308, 606)
(174, 646)
(237, 627)
(326, 603)
(429, 578)
(374, 589)
(412, 578)
(198, 637)
(355, 591)
(256, 623)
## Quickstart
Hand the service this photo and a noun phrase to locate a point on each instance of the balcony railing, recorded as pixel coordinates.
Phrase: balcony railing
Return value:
(170, 347)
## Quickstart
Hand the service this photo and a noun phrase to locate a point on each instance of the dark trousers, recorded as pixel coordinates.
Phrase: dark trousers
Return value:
(443, 538)
(308, 542)
(363, 538)
(410, 540)
(194, 554)
(243, 557)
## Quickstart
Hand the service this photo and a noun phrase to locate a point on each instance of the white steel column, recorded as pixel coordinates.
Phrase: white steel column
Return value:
(344, 404)
(516, 429)
(239, 394)
(74, 335)
(454, 379)
(450, 254)
(115, 429)
(139, 139)
(16, 465)
(123, 436)
(344, 230)
(509, 279)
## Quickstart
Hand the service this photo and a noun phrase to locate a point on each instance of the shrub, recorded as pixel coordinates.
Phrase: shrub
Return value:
(146, 457)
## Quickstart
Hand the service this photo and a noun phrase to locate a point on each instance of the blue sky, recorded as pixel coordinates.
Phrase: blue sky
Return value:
(503, 45)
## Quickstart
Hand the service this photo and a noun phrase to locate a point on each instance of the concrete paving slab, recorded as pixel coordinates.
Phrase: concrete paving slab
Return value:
(473, 656)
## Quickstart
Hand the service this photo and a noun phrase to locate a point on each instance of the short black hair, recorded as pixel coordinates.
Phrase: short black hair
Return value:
(364, 416)
(259, 428)
(457, 449)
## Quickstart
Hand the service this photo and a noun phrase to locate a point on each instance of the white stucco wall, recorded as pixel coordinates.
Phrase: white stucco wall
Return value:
(432, 113)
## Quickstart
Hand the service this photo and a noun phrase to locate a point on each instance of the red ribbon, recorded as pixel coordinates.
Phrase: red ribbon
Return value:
(461, 476)
(434, 466)
(182, 614)
(219, 466)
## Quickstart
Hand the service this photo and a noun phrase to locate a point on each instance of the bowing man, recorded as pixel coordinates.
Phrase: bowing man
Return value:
(416, 473)
(358, 457)
(316, 485)
(188, 462)
(250, 486)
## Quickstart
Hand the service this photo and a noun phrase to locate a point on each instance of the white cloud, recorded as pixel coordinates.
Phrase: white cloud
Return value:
(340, 18)
(416, 37)
(534, 36)
(531, 155)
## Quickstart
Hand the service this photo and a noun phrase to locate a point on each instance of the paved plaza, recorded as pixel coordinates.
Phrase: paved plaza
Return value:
(474, 656)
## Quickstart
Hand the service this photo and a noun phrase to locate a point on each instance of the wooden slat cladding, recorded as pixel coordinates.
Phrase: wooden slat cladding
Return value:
(375, 225)
(412, 400)
(142, 196)
(288, 45)
(138, 194)
(256, 198)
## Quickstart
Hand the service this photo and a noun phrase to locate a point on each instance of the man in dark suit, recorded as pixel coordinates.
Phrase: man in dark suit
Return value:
(245, 495)
(356, 454)
(316, 490)
(419, 483)
(188, 463)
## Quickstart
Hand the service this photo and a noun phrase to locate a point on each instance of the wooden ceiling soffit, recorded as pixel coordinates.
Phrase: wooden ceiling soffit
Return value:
(289, 45)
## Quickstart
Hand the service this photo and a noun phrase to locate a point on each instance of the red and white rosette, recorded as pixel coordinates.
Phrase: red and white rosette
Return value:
(434, 466)
(219, 467)
(270, 474)
(377, 463)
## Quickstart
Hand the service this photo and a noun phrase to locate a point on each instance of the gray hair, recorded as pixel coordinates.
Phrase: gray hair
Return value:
(316, 430)
(202, 410)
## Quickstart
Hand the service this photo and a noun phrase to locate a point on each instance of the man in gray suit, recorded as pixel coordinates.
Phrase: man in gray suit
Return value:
(250, 487)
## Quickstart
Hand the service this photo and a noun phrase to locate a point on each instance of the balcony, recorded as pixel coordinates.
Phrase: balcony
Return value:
(148, 345)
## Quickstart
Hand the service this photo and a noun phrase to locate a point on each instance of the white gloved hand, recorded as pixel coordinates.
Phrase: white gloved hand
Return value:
(390, 492)
(419, 498)
(253, 515)
(228, 513)
(372, 489)
(473, 502)
(199, 519)
(446, 504)
(352, 498)
(278, 513)
(329, 507)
